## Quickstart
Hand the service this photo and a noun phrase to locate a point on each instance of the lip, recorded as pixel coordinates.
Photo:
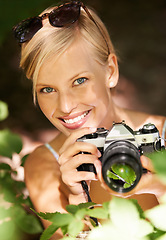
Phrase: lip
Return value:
(77, 124)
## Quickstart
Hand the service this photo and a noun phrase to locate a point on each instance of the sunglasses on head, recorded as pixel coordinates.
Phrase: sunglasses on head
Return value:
(61, 16)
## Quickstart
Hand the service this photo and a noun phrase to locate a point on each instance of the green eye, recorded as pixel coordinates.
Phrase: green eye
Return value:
(47, 90)
(79, 81)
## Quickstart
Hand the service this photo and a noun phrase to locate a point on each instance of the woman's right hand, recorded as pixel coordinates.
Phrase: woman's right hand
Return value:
(71, 158)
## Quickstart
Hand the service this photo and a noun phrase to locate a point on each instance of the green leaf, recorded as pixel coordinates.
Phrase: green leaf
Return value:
(60, 219)
(12, 190)
(5, 166)
(45, 216)
(4, 212)
(140, 210)
(26, 222)
(8, 231)
(162, 237)
(123, 172)
(20, 186)
(157, 216)
(49, 232)
(28, 203)
(30, 224)
(156, 235)
(159, 163)
(9, 194)
(9, 143)
(125, 223)
(72, 208)
(111, 175)
(79, 210)
(106, 205)
(86, 205)
(24, 159)
(163, 198)
(98, 213)
(64, 229)
(3, 111)
(81, 213)
(75, 227)
(119, 212)
(126, 218)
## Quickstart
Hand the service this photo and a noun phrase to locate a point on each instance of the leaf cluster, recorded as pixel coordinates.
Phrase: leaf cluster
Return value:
(122, 172)
(123, 219)
(73, 222)
(14, 206)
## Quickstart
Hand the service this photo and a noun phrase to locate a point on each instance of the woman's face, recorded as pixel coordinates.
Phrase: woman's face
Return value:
(73, 91)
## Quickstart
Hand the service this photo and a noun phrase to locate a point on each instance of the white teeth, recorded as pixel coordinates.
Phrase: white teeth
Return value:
(76, 119)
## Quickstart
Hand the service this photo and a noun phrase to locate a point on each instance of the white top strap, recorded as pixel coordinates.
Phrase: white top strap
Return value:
(55, 154)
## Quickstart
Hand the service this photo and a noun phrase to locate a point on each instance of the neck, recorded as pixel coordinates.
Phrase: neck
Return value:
(115, 114)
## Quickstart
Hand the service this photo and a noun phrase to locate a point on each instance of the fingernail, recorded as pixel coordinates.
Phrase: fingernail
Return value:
(98, 153)
(93, 129)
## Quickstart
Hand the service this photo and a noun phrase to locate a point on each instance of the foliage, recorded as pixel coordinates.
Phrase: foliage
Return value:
(122, 172)
(123, 218)
(3, 110)
(159, 163)
(14, 206)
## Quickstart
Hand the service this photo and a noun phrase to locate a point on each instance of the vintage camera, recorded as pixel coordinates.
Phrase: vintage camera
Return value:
(121, 148)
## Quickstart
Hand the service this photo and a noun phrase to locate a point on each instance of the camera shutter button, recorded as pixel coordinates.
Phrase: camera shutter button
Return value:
(149, 128)
(101, 131)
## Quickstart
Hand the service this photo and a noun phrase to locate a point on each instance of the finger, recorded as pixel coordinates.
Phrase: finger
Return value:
(75, 135)
(72, 181)
(76, 161)
(74, 177)
(77, 148)
(147, 163)
(98, 167)
(86, 176)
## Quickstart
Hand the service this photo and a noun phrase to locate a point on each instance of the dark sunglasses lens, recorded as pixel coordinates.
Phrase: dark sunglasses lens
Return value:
(64, 15)
(25, 30)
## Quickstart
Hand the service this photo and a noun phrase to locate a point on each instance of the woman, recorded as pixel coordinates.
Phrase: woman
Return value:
(69, 56)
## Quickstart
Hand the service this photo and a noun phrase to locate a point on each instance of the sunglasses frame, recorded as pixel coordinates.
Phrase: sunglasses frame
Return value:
(18, 28)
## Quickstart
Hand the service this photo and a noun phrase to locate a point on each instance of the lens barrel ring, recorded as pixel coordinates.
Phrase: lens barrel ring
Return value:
(121, 152)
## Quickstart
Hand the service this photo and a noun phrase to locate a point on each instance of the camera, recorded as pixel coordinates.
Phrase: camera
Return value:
(121, 148)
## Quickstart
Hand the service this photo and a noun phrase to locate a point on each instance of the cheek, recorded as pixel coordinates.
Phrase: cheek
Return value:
(46, 106)
(98, 94)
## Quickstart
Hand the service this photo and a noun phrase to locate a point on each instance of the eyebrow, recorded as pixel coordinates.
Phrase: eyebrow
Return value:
(77, 75)
(72, 78)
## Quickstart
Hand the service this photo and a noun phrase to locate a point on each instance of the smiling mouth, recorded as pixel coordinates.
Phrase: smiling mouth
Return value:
(76, 119)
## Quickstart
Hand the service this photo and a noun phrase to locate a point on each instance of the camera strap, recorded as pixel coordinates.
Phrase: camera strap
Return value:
(85, 188)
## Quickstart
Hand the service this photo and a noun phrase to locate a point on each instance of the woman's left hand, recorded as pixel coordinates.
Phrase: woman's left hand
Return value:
(149, 182)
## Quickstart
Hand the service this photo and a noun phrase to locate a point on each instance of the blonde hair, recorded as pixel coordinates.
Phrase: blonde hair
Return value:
(51, 41)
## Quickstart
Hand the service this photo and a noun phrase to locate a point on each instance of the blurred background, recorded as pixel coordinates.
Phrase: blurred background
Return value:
(138, 32)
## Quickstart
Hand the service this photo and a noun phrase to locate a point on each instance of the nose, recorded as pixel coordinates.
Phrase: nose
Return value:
(67, 102)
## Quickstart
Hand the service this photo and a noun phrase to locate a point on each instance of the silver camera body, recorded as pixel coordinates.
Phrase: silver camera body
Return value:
(121, 146)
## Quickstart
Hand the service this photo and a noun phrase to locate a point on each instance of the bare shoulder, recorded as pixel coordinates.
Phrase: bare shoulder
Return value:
(41, 157)
(137, 119)
(43, 180)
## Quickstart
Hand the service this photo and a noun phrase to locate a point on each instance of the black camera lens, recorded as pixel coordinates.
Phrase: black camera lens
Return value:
(121, 166)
